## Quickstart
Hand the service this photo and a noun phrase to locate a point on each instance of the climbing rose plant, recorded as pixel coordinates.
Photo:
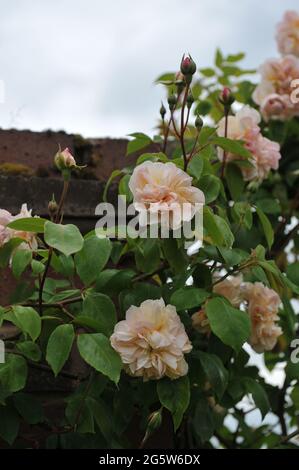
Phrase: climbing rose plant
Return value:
(163, 331)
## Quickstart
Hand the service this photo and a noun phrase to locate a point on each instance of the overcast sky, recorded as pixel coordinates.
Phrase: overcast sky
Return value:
(88, 66)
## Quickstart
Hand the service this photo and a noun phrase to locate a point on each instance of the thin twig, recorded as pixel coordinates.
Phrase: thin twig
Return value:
(225, 135)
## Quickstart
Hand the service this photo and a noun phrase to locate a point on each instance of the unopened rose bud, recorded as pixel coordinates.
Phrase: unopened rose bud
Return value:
(162, 111)
(190, 100)
(154, 420)
(226, 97)
(52, 207)
(198, 123)
(188, 66)
(172, 101)
(64, 160)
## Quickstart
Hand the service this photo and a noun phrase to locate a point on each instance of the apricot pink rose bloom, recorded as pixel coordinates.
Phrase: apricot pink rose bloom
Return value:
(274, 92)
(287, 34)
(230, 288)
(7, 234)
(165, 193)
(152, 341)
(263, 305)
(265, 153)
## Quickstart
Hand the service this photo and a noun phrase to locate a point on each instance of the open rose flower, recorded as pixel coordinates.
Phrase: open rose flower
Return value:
(265, 153)
(229, 288)
(287, 34)
(152, 341)
(165, 193)
(273, 94)
(263, 304)
(7, 233)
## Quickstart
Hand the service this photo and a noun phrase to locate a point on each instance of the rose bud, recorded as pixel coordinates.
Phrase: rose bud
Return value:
(162, 110)
(190, 100)
(52, 206)
(172, 101)
(64, 160)
(226, 97)
(198, 123)
(188, 66)
(154, 420)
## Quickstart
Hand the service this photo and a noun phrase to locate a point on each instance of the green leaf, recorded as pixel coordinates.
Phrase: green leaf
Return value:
(210, 185)
(65, 238)
(234, 256)
(166, 77)
(203, 421)
(258, 393)
(29, 224)
(235, 181)
(215, 371)
(230, 324)
(147, 255)
(211, 226)
(224, 228)
(20, 260)
(29, 408)
(207, 72)
(59, 347)
(27, 319)
(235, 57)
(175, 396)
(154, 157)
(203, 107)
(102, 416)
(140, 141)
(9, 424)
(267, 227)
(242, 214)
(97, 351)
(92, 258)
(37, 267)
(196, 165)
(7, 250)
(123, 187)
(292, 272)
(232, 146)
(79, 414)
(30, 350)
(218, 58)
(100, 309)
(13, 373)
(175, 256)
(113, 175)
(188, 297)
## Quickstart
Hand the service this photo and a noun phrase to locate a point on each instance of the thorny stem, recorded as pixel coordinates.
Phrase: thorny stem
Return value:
(290, 436)
(183, 126)
(226, 112)
(165, 134)
(233, 270)
(57, 219)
